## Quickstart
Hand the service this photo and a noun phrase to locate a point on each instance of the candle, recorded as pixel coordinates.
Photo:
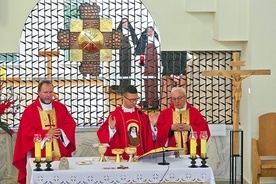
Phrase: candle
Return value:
(37, 151)
(37, 147)
(193, 147)
(203, 148)
(203, 141)
(48, 151)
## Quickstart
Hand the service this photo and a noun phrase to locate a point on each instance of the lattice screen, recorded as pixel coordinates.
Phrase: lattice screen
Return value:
(211, 95)
(89, 98)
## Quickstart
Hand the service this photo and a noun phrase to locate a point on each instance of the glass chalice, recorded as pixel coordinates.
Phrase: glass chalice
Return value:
(102, 149)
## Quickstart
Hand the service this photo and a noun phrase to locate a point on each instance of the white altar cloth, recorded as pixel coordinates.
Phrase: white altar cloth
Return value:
(144, 171)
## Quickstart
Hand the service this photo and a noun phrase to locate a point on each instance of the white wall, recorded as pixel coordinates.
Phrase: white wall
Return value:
(13, 14)
(182, 30)
(261, 52)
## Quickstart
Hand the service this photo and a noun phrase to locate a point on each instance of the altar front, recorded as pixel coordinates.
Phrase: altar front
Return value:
(90, 170)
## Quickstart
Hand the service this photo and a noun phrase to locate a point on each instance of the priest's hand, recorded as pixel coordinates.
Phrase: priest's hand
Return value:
(112, 122)
(55, 132)
(180, 127)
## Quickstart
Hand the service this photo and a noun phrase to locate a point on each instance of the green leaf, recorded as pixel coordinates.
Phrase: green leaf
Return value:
(5, 128)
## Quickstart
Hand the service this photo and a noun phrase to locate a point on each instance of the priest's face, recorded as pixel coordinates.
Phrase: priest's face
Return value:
(130, 100)
(46, 93)
(178, 98)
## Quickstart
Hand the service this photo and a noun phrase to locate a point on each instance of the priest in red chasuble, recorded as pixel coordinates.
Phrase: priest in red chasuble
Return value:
(44, 116)
(176, 122)
(127, 126)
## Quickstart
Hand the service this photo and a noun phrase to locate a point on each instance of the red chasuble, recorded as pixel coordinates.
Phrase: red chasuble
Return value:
(132, 130)
(30, 124)
(165, 120)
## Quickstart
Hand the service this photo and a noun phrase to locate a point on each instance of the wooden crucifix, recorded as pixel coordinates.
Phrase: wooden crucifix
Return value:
(236, 75)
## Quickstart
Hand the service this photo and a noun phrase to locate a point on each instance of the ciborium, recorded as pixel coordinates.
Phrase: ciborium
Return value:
(130, 151)
(102, 150)
(118, 153)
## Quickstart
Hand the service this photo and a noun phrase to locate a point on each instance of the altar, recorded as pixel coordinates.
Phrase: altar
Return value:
(90, 170)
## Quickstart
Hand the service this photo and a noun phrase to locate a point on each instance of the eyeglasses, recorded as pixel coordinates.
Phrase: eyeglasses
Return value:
(178, 98)
(132, 100)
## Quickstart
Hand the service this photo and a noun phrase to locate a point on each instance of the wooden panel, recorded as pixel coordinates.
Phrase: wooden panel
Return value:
(267, 135)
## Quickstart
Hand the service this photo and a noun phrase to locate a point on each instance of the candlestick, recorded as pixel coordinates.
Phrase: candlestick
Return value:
(203, 142)
(48, 147)
(37, 142)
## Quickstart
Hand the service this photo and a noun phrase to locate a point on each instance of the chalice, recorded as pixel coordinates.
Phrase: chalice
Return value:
(102, 150)
(117, 152)
(130, 151)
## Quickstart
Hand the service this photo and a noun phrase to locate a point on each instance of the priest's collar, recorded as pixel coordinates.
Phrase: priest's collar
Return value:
(182, 109)
(127, 109)
(46, 107)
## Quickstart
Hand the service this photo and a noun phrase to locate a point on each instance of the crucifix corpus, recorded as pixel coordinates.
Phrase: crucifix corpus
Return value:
(236, 75)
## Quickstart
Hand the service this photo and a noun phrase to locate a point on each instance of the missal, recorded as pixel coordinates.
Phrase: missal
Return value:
(158, 152)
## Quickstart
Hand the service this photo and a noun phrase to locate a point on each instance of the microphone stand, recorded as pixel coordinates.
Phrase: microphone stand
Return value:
(164, 159)
(164, 162)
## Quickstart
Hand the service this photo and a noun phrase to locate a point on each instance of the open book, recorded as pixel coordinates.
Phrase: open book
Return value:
(158, 152)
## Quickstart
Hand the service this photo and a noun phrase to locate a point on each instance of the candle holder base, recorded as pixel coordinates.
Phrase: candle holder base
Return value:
(193, 162)
(38, 166)
(203, 162)
(48, 166)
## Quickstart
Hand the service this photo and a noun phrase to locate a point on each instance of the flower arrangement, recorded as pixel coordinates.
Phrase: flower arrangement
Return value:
(7, 106)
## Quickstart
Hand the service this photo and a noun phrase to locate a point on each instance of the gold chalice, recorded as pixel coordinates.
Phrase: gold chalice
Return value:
(130, 151)
(117, 152)
(102, 150)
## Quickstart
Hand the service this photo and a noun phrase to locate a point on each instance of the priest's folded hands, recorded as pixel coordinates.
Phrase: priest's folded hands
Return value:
(180, 127)
(55, 133)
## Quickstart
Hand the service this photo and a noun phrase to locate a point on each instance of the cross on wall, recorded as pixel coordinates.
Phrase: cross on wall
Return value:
(90, 39)
(236, 75)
